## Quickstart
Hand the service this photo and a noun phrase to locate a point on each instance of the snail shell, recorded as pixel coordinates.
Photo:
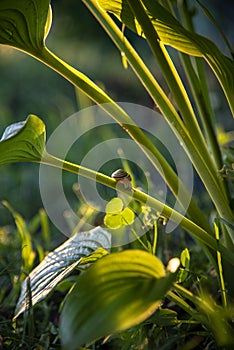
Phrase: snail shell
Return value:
(121, 174)
(123, 177)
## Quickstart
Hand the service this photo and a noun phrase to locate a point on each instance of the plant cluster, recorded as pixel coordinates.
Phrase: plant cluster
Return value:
(139, 296)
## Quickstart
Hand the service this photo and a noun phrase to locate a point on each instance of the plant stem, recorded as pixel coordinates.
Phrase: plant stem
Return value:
(197, 232)
(116, 112)
(199, 302)
(195, 145)
(208, 176)
(185, 306)
(200, 91)
(203, 111)
(220, 267)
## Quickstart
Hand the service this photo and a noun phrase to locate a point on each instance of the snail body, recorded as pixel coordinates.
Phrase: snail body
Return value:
(123, 177)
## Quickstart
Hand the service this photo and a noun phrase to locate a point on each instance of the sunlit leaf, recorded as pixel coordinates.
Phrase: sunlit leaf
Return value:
(114, 205)
(113, 221)
(185, 262)
(172, 33)
(24, 24)
(59, 263)
(185, 258)
(115, 293)
(117, 216)
(128, 216)
(23, 141)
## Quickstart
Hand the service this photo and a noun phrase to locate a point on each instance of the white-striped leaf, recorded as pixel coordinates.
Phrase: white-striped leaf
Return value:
(59, 263)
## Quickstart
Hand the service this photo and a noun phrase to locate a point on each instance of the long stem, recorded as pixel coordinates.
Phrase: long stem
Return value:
(121, 117)
(199, 90)
(197, 232)
(190, 296)
(220, 267)
(171, 76)
(195, 147)
(186, 307)
(209, 177)
(199, 87)
(203, 111)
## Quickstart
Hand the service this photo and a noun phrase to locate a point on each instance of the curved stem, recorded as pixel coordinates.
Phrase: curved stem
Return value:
(194, 143)
(202, 164)
(196, 231)
(117, 113)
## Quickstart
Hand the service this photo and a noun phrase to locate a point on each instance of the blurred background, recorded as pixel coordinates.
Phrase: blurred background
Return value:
(26, 86)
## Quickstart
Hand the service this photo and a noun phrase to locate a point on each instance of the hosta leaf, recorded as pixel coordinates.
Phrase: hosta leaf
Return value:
(172, 33)
(115, 293)
(24, 24)
(59, 263)
(23, 141)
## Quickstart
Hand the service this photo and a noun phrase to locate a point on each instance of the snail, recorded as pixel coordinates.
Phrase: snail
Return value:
(123, 177)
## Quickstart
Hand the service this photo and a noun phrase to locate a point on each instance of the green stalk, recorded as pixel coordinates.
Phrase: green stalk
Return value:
(220, 267)
(200, 91)
(199, 302)
(204, 113)
(199, 154)
(186, 307)
(155, 91)
(208, 176)
(171, 76)
(116, 112)
(196, 231)
(200, 97)
(207, 313)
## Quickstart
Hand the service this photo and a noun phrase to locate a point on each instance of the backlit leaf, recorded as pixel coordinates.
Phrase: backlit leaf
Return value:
(113, 221)
(23, 141)
(115, 293)
(60, 262)
(128, 216)
(185, 262)
(114, 205)
(172, 33)
(185, 258)
(24, 24)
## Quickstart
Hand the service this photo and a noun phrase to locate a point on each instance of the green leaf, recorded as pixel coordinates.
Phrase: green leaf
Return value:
(212, 19)
(82, 248)
(185, 262)
(115, 205)
(116, 216)
(185, 258)
(28, 254)
(172, 33)
(164, 318)
(128, 216)
(113, 221)
(115, 293)
(23, 141)
(24, 24)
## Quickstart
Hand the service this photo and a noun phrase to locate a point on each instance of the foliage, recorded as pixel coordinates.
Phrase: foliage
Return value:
(124, 294)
